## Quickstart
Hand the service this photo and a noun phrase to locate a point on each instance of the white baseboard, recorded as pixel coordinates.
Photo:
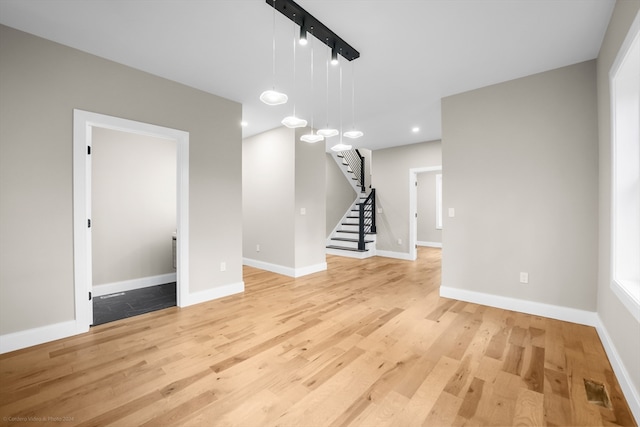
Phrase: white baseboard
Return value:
(429, 244)
(630, 392)
(567, 314)
(286, 271)
(211, 294)
(351, 254)
(35, 336)
(129, 285)
(397, 255)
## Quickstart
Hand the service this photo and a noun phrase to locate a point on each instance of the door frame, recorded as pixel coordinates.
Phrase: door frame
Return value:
(83, 124)
(413, 207)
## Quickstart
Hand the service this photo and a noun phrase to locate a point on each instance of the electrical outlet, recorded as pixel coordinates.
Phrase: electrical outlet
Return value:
(399, 241)
(223, 266)
(379, 210)
(303, 211)
(452, 212)
(524, 277)
(257, 248)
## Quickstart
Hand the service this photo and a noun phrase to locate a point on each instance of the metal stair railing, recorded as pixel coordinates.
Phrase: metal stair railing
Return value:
(367, 223)
(355, 161)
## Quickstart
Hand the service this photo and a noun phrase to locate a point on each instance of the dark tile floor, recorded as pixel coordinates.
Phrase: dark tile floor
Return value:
(108, 308)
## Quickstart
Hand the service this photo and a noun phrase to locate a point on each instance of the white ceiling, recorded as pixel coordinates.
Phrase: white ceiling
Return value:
(413, 53)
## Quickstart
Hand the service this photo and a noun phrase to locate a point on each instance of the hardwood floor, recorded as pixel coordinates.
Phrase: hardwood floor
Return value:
(366, 343)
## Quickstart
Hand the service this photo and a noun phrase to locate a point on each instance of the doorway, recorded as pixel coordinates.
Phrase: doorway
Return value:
(85, 125)
(413, 205)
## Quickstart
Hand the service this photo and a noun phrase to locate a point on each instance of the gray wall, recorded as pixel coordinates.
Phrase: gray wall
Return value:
(310, 195)
(620, 324)
(41, 82)
(426, 204)
(390, 177)
(268, 203)
(282, 175)
(521, 162)
(340, 194)
(133, 205)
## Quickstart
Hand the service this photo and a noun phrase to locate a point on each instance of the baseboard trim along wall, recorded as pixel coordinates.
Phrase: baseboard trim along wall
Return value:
(214, 293)
(285, 271)
(567, 314)
(429, 244)
(622, 374)
(129, 285)
(30, 337)
(523, 306)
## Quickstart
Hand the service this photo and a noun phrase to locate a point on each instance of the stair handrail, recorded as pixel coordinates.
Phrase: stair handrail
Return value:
(355, 161)
(367, 224)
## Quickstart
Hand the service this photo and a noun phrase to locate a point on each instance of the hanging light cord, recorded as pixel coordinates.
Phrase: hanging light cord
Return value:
(312, 87)
(294, 64)
(353, 95)
(341, 103)
(327, 66)
(273, 47)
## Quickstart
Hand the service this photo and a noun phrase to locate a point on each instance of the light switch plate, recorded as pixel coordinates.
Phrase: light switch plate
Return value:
(452, 212)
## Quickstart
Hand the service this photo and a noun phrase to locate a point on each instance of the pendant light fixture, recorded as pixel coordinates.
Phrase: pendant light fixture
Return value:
(353, 133)
(273, 97)
(327, 132)
(341, 146)
(311, 137)
(293, 122)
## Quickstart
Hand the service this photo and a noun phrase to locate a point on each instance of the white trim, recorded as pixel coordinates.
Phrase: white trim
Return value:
(429, 244)
(566, 314)
(351, 254)
(285, 271)
(212, 294)
(622, 374)
(439, 201)
(310, 269)
(83, 122)
(129, 285)
(396, 255)
(35, 336)
(627, 298)
(624, 294)
(413, 208)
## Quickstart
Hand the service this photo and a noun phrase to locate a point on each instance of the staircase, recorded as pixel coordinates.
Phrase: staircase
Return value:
(355, 235)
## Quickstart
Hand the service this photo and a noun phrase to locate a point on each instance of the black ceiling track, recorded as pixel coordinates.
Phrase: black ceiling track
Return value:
(305, 20)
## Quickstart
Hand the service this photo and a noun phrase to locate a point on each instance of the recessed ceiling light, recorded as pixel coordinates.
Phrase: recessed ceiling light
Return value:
(415, 129)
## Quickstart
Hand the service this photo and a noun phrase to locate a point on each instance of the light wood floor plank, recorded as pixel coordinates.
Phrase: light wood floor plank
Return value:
(365, 343)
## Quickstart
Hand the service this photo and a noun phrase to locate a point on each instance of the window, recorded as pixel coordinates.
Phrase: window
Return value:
(624, 81)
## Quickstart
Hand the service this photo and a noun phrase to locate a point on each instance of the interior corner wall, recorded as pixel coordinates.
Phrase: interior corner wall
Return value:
(520, 162)
(390, 177)
(622, 327)
(268, 197)
(310, 204)
(339, 194)
(133, 206)
(41, 83)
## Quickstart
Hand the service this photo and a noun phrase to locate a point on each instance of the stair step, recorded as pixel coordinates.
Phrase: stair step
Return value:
(346, 239)
(352, 232)
(343, 248)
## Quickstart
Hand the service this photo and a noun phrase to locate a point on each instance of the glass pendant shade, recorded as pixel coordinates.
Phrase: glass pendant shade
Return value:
(353, 134)
(293, 122)
(341, 147)
(328, 133)
(311, 138)
(272, 97)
